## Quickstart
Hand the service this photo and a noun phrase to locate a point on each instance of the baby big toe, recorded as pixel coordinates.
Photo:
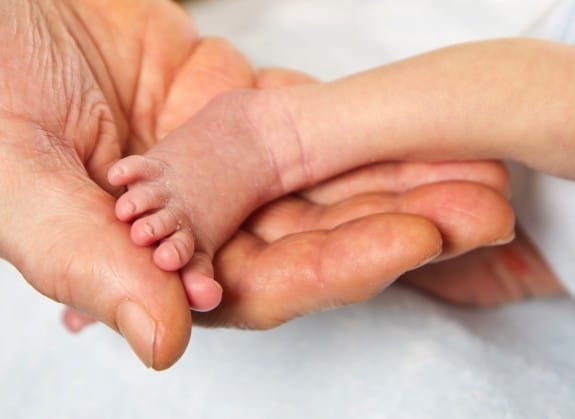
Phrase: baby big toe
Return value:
(204, 293)
(175, 251)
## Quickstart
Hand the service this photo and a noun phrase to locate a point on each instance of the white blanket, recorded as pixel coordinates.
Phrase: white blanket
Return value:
(400, 355)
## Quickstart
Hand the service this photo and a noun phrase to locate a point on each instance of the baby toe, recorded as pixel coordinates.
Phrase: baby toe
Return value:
(175, 251)
(139, 200)
(204, 293)
(132, 169)
(148, 230)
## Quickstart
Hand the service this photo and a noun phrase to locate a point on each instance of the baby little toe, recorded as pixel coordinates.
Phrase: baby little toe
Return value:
(132, 169)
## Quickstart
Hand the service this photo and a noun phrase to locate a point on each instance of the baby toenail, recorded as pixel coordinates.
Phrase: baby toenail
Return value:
(130, 208)
(177, 255)
(118, 170)
(149, 230)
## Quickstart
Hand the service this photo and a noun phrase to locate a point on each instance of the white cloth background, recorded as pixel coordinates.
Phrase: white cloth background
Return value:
(544, 204)
(400, 355)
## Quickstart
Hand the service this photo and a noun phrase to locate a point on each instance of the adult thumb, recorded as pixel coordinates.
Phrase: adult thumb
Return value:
(73, 250)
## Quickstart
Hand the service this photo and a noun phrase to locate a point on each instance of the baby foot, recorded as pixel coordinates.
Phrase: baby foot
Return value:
(156, 218)
(190, 192)
(159, 217)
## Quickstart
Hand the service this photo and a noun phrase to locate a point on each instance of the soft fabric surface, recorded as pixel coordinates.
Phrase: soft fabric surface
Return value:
(400, 355)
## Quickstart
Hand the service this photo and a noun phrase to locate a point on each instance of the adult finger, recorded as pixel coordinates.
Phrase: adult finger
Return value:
(75, 321)
(403, 176)
(489, 277)
(467, 214)
(268, 284)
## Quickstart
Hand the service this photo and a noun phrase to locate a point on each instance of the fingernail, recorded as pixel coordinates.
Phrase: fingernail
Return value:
(117, 170)
(427, 260)
(138, 329)
(113, 173)
(505, 240)
(126, 210)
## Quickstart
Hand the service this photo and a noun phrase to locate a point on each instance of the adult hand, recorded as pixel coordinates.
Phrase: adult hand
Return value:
(484, 277)
(362, 243)
(87, 82)
(359, 227)
(266, 271)
(81, 84)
